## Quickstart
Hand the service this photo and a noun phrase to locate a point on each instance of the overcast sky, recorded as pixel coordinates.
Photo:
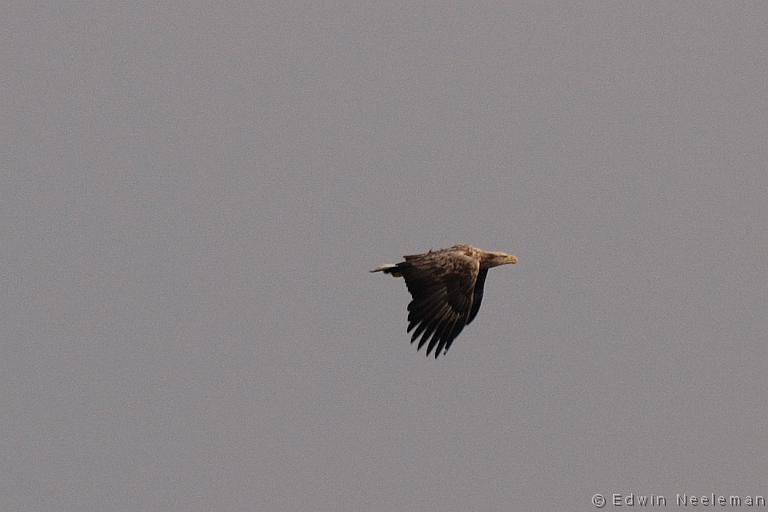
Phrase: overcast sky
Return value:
(193, 193)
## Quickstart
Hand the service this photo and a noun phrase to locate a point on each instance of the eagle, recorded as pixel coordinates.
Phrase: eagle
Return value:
(447, 288)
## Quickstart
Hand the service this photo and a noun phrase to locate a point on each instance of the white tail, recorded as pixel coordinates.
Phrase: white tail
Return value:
(393, 270)
(385, 268)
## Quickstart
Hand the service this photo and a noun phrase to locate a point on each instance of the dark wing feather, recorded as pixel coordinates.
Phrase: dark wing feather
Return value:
(442, 286)
(477, 297)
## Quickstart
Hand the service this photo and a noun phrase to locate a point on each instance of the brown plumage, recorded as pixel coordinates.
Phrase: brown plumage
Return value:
(447, 289)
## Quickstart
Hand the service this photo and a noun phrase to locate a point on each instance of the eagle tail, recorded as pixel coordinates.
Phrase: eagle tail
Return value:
(394, 270)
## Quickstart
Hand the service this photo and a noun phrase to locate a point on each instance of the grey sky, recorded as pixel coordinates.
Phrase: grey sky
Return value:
(192, 194)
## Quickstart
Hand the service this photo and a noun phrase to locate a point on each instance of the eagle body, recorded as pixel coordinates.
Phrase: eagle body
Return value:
(447, 288)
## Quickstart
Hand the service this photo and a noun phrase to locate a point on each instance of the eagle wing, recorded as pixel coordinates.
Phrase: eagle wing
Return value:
(442, 285)
(477, 296)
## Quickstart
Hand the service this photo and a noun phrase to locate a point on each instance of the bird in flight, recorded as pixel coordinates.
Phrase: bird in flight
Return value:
(447, 288)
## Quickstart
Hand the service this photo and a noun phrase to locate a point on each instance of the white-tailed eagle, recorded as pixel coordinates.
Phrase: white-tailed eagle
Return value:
(447, 289)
